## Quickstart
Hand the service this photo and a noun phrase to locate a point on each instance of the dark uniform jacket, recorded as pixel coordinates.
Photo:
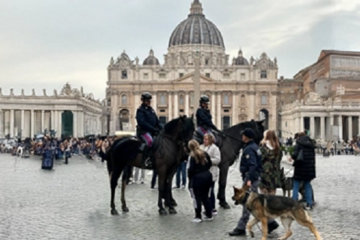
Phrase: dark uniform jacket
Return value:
(147, 120)
(196, 169)
(304, 170)
(250, 164)
(203, 118)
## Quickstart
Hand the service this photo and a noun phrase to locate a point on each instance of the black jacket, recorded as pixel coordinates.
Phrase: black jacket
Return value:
(197, 168)
(250, 164)
(147, 120)
(304, 170)
(204, 119)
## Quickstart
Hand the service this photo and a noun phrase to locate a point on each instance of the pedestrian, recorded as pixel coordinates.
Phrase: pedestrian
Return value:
(181, 175)
(200, 181)
(250, 169)
(270, 177)
(142, 175)
(304, 167)
(214, 153)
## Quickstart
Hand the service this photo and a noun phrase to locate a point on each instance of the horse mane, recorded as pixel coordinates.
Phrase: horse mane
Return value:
(170, 126)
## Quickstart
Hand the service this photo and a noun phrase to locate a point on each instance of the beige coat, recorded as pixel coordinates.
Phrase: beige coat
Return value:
(215, 157)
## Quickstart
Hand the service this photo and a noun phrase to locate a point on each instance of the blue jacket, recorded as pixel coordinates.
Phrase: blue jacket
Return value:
(147, 120)
(203, 118)
(250, 165)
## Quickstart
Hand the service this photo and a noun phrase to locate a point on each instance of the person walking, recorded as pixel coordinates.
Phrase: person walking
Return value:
(200, 181)
(181, 175)
(304, 167)
(270, 177)
(214, 153)
(250, 169)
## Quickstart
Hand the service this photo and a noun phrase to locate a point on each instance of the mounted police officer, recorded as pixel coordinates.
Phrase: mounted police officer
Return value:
(148, 126)
(204, 118)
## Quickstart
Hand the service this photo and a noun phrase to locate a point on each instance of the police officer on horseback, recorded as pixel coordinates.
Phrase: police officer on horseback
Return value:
(204, 118)
(148, 127)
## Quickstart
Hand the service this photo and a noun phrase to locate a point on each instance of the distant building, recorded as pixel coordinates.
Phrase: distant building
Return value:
(70, 113)
(239, 91)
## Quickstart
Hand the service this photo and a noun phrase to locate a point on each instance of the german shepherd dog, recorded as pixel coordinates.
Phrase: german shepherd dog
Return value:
(263, 207)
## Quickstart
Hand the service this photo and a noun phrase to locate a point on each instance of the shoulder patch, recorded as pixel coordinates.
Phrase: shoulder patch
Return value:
(258, 152)
(247, 156)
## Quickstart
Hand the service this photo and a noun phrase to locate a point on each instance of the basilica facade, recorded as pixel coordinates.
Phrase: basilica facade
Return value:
(239, 88)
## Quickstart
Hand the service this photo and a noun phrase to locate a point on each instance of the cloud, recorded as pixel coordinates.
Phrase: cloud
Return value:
(48, 43)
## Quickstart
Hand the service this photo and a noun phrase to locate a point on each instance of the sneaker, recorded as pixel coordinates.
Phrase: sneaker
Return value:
(238, 232)
(308, 207)
(142, 181)
(196, 220)
(182, 187)
(208, 219)
(214, 212)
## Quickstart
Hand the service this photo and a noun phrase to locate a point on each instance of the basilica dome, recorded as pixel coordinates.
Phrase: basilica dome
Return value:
(196, 29)
(240, 60)
(151, 59)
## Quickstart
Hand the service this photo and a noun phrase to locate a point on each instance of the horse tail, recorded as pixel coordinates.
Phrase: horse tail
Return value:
(109, 161)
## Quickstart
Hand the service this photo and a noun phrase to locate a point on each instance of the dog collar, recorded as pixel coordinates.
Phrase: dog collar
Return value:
(247, 194)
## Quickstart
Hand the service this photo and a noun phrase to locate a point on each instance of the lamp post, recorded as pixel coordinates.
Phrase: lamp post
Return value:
(196, 80)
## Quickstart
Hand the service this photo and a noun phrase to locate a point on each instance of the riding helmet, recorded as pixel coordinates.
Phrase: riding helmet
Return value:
(146, 96)
(204, 99)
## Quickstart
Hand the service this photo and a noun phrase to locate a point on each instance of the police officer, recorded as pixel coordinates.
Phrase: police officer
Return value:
(148, 126)
(204, 118)
(250, 168)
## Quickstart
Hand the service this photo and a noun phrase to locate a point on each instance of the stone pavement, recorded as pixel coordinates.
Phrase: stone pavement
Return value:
(72, 202)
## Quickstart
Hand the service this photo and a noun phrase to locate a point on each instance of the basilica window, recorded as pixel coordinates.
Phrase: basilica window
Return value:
(146, 76)
(124, 74)
(206, 61)
(162, 75)
(263, 99)
(163, 119)
(226, 75)
(242, 76)
(263, 74)
(192, 98)
(162, 99)
(123, 100)
(226, 122)
(181, 100)
(226, 99)
(207, 75)
(181, 75)
(242, 99)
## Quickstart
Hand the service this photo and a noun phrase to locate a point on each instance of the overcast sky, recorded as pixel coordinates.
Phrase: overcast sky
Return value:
(46, 43)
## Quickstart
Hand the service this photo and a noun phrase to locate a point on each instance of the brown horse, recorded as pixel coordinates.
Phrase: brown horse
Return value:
(170, 147)
(230, 143)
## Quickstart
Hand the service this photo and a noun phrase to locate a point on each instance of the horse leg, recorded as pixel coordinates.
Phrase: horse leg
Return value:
(224, 169)
(161, 186)
(124, 182)
(171, 202)
(114, 176)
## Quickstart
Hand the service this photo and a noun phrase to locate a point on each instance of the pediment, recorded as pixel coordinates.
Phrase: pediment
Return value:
(189, 78)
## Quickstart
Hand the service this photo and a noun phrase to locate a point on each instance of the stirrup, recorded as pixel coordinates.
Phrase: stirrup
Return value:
(148, 163)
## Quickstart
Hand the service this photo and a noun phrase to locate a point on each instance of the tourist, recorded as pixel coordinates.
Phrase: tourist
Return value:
(181, 175)
(200, 181)
(136, 175)
(214, 153)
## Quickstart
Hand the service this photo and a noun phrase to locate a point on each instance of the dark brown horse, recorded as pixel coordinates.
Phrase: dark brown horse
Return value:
(171, 143)
(230, 144)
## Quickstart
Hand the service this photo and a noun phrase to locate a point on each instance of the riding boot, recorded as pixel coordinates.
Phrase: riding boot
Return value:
(146, 157)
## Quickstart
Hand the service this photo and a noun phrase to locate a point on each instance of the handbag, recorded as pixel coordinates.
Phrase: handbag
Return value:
(300, 158)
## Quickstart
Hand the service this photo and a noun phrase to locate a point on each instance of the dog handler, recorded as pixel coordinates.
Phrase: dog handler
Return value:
(250, 168)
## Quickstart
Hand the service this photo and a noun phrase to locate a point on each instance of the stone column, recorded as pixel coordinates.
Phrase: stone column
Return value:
(59, 116)
(234, 108)
(176, 105)
(75, 124)
(1, 124)
(340, 128)
(251, 105)
(12, 123)
(213, 105)
(358, 126)
(218, 111)
(187, 103)
(81, 129)
(322, 128)
(32, 123)
(170, 106)
(42, 120)
(312, 127)
(350, 127)
(22, 127)
(331, 120)
(154, 101)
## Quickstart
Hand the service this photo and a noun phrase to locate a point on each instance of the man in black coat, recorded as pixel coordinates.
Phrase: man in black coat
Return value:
(203, 117)
(304, 167)
(148, 126)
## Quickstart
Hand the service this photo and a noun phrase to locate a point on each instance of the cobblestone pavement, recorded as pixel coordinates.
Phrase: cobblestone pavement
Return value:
(72, 202)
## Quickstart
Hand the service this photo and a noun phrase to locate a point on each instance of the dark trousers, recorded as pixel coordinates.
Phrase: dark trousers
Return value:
(181, 172)
(153, 179)
(212, 196)
(201, 191)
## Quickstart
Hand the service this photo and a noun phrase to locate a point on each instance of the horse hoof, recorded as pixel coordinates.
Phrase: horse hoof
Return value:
(162, 212)
(172, 211)
(114, 212)
(125, 209)
(225, 205)
(174, 203)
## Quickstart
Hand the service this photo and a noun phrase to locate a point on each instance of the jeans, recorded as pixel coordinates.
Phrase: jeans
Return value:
(308, 191)
(181, 171)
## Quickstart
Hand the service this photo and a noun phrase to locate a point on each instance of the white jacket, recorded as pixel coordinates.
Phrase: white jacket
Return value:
(215, 157)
